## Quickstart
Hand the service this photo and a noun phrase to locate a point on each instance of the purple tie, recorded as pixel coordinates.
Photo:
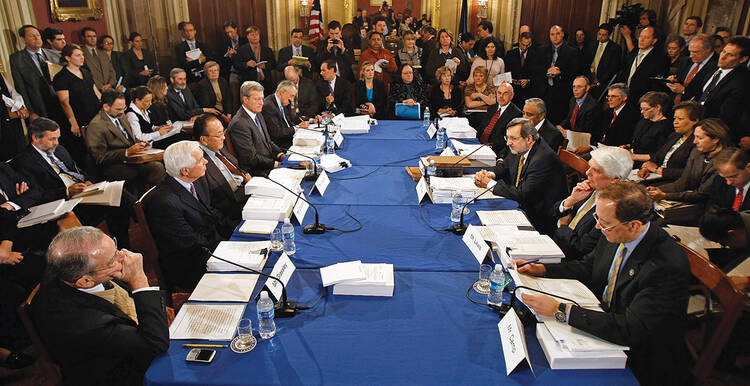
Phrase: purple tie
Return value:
(193, 192)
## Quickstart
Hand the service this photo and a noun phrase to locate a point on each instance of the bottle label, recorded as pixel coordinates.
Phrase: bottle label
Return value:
(265, 314)
(496, 285)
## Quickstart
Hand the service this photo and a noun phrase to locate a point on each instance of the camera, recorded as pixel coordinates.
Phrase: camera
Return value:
(628, 15)
(334, 41)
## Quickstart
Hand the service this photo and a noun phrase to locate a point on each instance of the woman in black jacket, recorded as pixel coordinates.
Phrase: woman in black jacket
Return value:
(409, 90)
(369, 93)
(654, 128)
(446, 98)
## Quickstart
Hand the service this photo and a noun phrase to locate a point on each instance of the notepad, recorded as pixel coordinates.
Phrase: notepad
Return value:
(247, 253)
(503, 217)
(261, 227)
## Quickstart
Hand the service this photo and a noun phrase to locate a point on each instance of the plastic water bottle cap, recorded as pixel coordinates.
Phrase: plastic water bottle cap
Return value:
(264, 295)
(432, 162)
(286, 220)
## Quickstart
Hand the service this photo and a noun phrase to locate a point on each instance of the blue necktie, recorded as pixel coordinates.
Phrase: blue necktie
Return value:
(260, 128)
(77, 177)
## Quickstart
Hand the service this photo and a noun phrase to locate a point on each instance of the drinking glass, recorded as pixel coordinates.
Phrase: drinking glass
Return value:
(245, 332)
(483, 284)
(277, 243)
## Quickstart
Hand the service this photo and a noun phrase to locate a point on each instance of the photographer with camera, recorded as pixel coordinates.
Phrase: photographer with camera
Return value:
(334, 48)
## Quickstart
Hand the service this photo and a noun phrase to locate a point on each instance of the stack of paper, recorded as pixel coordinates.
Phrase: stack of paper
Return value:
(378, 281)
(277, 209)
(504, 217)
(308, 138)
(530, 245)
(589, 356)
(261, 227)
(291, 178)
(102, 193)
(355, 125)
(458, 127)
(206, 321)
(45, 212)
(251, 254)
(483, 154)
(309, 151)
(262, 187)
(577, 139)
(332, 163)
(443, 188)
(341, 272)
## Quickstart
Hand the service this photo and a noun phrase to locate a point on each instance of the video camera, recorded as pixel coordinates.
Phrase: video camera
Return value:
(628, 15)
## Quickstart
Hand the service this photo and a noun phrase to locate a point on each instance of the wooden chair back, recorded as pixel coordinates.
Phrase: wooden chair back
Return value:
(46, 371)
(575, 167)
(716, 327)
(141, 236)
(228, 144)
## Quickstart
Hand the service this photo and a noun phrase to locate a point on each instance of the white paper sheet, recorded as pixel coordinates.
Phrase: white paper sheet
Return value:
(503, 217)
(341, 272)
(206, 321)
(224, 287)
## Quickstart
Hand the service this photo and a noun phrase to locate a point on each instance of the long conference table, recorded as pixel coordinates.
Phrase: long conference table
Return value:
(427, 333)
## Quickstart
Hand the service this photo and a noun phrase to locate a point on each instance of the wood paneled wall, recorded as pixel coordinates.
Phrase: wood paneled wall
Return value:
(540, 15)
(209, 17)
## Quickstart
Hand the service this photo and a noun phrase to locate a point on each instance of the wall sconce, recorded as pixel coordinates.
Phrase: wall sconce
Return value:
(482, 9)
(304, 9)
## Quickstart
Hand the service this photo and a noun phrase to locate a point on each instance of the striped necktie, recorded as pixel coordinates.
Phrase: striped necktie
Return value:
(609, 290)
(520, 167)
(582, 212)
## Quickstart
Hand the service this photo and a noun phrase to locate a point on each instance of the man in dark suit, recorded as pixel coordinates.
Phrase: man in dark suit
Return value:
(17, 195)
(232, 44)
(647, 62)
(297, 49)
(226, 181)
(691, 76)
(606, 58)
(559, 66)
(726, 93)
(729, 190)
(535, 110)
(427, 42)
(181, 218)
(278, 115)
(641, 277)
(496, 119)
(618, 121)
(520, 63)
(584, 114)
(207, 97)
(255, 61)
(256, 152)
(576, 233)
(95, 311)
(306, 101)
(110, 141)
(484, 34)
(334, 49)
(337, 92)
(31, 76)
(194, 67)
(181, 103)
(531, 175)
(55, 173)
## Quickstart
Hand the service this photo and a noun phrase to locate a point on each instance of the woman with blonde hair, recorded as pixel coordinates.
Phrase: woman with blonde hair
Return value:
(446, 97)
(369, 93)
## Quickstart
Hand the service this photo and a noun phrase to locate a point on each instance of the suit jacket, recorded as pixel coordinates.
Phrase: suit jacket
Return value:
(206, 97)
(183, 111)
(38, 95)
(609, 64)
(551, 135)
(379, 97)
(541, 184)
(245, 54)
(528, 70)
(619, 132)
(95, 342)
(100, 67)
(647, 312)
(344, 60)
(307, 100)
(342, 96)
(730, 96)
(656, 63)
(497, 136)
(32, 165)
(53, 56)
(695, 88)
(194, 66)
(226, 62)
(105, 141)
(677, 160)
(255, 155)
(589, 117)
(281, 130)
(8, 180)
(722, 195)
(227, 201)
(182, 226)
(285, 54)
(557, 94)
(576, 242)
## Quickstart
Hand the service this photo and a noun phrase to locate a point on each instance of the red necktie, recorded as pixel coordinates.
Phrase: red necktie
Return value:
(614, 116)
(688, 79)
(737, 201)
(235, 170)
(487, 130)
(573, 118)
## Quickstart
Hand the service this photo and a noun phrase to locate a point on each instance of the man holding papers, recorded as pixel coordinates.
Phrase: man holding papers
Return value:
(95, 311)
(531, 175)
(641, 276)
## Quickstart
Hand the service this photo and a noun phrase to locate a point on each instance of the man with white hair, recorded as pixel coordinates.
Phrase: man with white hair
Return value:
(180, 216)
(497, 118)
(280, 119)
(576, 232)
(306, 102)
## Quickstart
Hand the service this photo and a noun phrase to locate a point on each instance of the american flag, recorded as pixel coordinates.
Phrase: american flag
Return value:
(316, 24)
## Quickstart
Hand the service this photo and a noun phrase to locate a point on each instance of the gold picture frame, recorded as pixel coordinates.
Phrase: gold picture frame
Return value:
(75, 10)
(378, 3)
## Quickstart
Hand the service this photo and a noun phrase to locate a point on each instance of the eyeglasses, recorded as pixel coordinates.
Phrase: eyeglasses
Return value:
(603, 228)
(511, 139)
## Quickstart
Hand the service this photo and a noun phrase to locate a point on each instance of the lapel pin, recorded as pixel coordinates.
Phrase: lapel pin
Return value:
(631, 272)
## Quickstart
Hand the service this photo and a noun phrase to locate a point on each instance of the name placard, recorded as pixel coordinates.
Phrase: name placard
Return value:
(321, 183)
(431, 130)
(338, 138)
(422, 189)
(474, 240)
(283, 269)
(300, 208)
(514, 341)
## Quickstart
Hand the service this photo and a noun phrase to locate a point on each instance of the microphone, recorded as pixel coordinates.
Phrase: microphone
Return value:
(528, 317)
(460, 228)
(315, 229)
(472, 152)
(315, 174)
(282, 309)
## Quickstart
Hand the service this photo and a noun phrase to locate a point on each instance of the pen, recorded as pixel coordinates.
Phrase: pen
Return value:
(204, 345)
(527, 262)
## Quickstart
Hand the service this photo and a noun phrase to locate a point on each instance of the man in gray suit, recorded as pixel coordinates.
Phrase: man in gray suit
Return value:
(252, 143)
(278, 114)
(98, 62)
(110, 141)
(31, 76)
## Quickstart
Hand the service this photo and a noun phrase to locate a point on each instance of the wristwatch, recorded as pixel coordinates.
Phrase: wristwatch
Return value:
(560, 313)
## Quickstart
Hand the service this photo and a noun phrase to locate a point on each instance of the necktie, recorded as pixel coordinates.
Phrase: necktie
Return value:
(234, 169)
(122, 130)
(118, 296)
(193, 191)
(488, 130)
(737, 201)
(2, 193)
(635, 66)
(260, 128)
(582, 212)
(597, 57)
(283, 115)
(554, 60)
(614, 116)
(688, 79)
(181, 96)
(523, 57)
(711, 85)
(574, 116)
(520, 167)
(77, 177)
(609, 290)
(43, 66)
(93, 52)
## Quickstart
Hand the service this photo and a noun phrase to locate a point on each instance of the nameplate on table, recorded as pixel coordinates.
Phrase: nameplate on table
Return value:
(431, 130)
(283, 269)
(474, 240)
(321, 183)
(300, 208)
(338, 138)
(514, 341)
(422, 189)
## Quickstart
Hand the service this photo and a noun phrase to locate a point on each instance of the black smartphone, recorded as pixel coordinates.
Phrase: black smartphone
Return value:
(200, 355)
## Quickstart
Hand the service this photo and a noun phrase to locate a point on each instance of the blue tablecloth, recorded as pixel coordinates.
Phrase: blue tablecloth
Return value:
(427, 333)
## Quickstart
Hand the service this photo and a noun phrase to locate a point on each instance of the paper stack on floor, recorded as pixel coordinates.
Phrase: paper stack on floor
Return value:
(458, 127)
(485, 156)
(359, 279)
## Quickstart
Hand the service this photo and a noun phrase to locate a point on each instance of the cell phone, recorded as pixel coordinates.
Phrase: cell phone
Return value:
(200, 355)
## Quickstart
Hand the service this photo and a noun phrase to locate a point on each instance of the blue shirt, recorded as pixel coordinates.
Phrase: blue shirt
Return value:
(369, 95)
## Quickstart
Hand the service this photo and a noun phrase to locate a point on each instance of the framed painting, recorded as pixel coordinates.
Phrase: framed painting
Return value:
(71, 10)
(378, 3)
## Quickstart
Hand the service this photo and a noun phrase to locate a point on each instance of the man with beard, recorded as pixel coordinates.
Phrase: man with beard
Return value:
(180, 100)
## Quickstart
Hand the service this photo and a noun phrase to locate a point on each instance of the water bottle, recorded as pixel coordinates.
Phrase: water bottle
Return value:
(497, 279)
(287, 234)
(431, 170)
(457, 202)
(440, 139)
(426, 117)
(330, 144)
(266, 325)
